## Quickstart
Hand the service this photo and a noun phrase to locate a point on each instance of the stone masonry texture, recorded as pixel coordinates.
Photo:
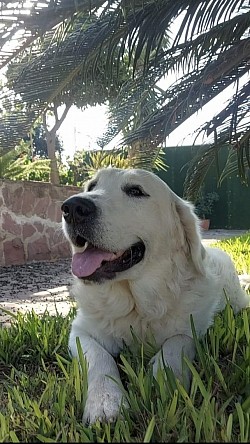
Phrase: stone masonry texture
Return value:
(30, 222)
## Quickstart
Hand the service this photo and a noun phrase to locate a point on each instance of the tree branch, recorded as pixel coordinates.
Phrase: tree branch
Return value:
(62, 118)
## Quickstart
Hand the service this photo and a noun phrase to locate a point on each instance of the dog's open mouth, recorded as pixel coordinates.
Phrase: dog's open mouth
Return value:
(96, 264)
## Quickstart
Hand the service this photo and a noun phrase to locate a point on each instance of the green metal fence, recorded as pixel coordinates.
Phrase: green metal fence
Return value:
(232, 211)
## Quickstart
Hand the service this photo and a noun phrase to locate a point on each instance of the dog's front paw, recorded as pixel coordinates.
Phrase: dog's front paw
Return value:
(103, 402)
(181, 372)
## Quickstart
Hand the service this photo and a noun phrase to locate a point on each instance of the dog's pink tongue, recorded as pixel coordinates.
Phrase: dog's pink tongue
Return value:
(86, 263)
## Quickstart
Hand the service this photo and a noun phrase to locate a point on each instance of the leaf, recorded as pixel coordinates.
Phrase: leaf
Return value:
(150, 430)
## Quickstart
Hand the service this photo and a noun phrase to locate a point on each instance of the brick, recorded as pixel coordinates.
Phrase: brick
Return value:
(39, 227)
(14, 252)
(41, 207)
(28, 230)
(38, 250)
(28, 203)
(61, 250)
(13, 197)
(9, 225)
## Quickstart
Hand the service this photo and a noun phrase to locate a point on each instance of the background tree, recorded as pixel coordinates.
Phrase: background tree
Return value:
(40, 141)
(210, 48)
(36, 139)
(82, 91)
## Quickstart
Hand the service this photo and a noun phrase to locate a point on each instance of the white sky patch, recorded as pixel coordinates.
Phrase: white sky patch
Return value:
(80, 129)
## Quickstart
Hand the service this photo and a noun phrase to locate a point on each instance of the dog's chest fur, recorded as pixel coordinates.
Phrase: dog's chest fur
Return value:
(149, 306)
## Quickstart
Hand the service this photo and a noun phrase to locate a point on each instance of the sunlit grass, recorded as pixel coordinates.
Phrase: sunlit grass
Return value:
(239, 250)
(43, 391)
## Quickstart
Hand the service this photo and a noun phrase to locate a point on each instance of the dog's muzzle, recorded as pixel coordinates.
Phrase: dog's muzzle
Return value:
(95, 263)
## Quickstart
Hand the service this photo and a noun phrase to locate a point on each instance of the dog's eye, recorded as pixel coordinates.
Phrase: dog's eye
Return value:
(134, 191)
(91, 186)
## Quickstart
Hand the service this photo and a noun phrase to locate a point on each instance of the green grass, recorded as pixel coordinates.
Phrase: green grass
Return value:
(239, 250)
(43, 391)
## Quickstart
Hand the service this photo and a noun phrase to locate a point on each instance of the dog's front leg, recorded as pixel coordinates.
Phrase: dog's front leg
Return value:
(104, 396)
(172, 352)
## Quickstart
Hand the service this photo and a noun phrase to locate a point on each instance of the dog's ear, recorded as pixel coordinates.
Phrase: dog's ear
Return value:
(190, 224)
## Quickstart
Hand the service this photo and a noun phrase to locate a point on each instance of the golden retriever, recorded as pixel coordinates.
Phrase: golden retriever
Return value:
(139, 263)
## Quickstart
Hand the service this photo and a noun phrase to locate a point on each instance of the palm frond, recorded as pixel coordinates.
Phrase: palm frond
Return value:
(237, 162)
(231, 127)
(24, 23)
(216, 24)
(16, 165)
(212, 46)
(236, 110)
(136, 100)
(149, 158)
(232, 165)
(192, 92)
(202, 16)
(187, 55)
(16, 122)
(5, 161)
(198, 168)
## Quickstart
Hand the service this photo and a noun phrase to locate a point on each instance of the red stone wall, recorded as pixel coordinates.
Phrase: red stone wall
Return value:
(30, 221)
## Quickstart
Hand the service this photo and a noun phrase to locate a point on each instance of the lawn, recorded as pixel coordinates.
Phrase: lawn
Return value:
(43, 391)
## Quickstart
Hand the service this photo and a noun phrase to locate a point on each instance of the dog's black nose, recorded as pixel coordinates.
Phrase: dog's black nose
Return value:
(77, 209)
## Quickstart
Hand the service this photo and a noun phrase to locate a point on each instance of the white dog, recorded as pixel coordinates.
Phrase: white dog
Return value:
(138, 262)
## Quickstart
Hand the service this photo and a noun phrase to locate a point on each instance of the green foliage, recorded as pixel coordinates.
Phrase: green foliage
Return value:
(17, 165)
(43, 390)
(86, 163)
(204, 203)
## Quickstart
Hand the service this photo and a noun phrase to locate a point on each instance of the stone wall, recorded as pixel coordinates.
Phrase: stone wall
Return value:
(30, 221)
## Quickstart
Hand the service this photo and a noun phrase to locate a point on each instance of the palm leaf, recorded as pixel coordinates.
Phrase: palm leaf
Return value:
(198, 169)
(206, 157)
(231, 166)
(25, 24)
(191, 93)
(212, 46)
(147, 157)
(15, 166)
(231, 126)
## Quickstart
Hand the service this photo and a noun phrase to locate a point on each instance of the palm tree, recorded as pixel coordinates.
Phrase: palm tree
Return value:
(211, 48)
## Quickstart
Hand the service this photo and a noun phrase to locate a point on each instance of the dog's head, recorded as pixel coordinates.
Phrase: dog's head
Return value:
(125, 219)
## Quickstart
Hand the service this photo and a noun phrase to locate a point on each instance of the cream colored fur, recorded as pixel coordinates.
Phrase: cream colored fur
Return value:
(176, 278)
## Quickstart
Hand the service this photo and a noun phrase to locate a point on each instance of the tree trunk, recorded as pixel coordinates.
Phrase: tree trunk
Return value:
(51, 144)
(51, 141)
